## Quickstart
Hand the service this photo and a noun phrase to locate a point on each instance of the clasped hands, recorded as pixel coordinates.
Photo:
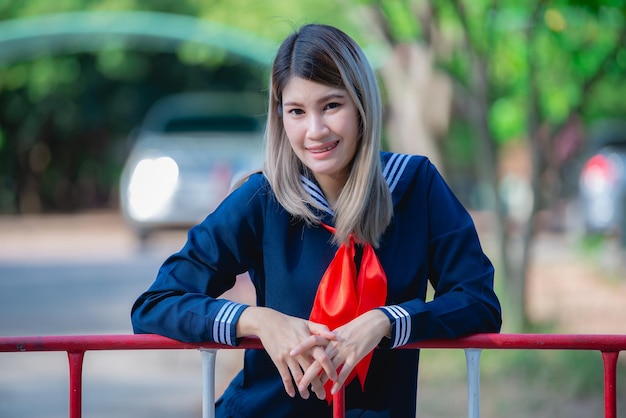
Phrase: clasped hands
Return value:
(309, 354)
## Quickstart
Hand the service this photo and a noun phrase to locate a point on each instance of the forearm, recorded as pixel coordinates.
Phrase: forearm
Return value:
(251, 320)
(448, 316)
(188, 317)
(378, 322)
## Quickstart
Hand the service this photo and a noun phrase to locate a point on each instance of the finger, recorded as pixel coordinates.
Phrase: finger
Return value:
(324, 378)
(318, 388)
(296, 373)
(285, 376)
(323, 369)
(322, 331)
(324, 358)
(311, 374)
(345, 371)
(312, 377)
(308, 343)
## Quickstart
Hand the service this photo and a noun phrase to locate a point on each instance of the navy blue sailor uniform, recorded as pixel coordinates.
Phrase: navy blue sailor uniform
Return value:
(431, 238)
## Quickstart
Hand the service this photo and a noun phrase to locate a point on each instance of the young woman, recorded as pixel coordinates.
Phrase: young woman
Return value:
(340, 241)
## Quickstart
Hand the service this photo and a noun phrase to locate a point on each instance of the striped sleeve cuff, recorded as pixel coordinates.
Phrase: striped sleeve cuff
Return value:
(400, 324)
(224, 330)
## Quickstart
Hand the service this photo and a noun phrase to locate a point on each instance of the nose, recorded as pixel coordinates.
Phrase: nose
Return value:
(318, 128)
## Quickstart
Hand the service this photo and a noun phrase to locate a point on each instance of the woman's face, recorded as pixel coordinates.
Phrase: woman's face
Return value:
(322, 125)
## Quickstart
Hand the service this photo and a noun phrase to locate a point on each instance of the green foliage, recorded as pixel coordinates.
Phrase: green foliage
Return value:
(401, 21)
(121, 65)
(65, 117)
(506, 118)
(566, 42)
(273, 19)
(555, 46)
(195, 54)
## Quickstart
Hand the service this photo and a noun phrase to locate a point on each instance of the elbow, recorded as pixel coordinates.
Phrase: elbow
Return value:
(137, 317)
(495, 324)
(493, 318)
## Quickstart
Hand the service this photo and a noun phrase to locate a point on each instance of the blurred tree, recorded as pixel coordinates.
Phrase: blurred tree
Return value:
(70, 97)
(532, 74)
(483, 74)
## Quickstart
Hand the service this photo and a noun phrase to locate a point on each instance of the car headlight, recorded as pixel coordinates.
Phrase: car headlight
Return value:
(152, 185)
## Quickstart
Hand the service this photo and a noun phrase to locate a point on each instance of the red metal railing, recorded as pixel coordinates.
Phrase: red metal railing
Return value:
(609, 345)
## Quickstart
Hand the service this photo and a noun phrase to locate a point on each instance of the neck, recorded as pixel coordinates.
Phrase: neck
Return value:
(332, 187)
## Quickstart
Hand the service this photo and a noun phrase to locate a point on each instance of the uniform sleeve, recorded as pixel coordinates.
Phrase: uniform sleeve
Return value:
(463, 277)
(183, 302)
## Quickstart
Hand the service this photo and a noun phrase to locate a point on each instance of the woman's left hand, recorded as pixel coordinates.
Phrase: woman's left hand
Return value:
(353, 341)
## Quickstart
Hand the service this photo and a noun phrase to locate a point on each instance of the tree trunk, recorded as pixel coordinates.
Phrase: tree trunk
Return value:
(418, 102)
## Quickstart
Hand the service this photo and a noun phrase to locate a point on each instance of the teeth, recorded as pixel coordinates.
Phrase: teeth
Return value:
(325, 149)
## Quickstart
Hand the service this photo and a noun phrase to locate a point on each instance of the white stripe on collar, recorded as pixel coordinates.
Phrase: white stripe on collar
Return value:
(316, 194)
(392, 173)
(394, 168)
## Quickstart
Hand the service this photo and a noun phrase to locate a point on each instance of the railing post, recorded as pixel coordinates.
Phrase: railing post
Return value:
(339, 404)
(609, 359)
(472, 359)
(75, 359)
(208, 382)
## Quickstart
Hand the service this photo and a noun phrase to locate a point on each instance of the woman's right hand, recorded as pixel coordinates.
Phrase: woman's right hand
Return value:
(279, 334)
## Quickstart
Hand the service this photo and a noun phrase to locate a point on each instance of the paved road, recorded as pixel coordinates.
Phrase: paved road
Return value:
(80, 275)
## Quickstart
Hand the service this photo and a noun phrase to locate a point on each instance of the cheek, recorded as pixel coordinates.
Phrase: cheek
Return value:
(353, 131)
(292, 133)
(352, 125)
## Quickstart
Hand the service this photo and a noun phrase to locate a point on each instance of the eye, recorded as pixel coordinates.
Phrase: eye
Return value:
(296, 111)
(333, 105)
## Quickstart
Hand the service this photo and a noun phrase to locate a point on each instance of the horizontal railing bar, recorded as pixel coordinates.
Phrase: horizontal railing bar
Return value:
(76, 345)
(601, 342)
(109, 342)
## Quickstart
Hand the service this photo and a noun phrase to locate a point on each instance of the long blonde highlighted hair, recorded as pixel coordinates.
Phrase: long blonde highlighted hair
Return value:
(326, 55)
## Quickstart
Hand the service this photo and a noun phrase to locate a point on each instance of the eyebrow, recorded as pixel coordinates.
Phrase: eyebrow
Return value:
(325, 98)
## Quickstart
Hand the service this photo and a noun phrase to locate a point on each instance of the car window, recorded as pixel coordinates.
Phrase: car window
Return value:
(214, 123)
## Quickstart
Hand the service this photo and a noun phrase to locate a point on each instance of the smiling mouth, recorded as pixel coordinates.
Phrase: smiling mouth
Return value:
(324, 148)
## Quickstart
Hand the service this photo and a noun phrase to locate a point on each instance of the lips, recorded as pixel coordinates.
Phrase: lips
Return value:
(323, 147)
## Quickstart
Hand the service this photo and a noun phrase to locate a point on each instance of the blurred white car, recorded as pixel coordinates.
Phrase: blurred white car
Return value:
(189, 151)
(603, 181)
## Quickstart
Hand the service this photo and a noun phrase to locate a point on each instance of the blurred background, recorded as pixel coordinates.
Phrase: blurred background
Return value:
(124, 122)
